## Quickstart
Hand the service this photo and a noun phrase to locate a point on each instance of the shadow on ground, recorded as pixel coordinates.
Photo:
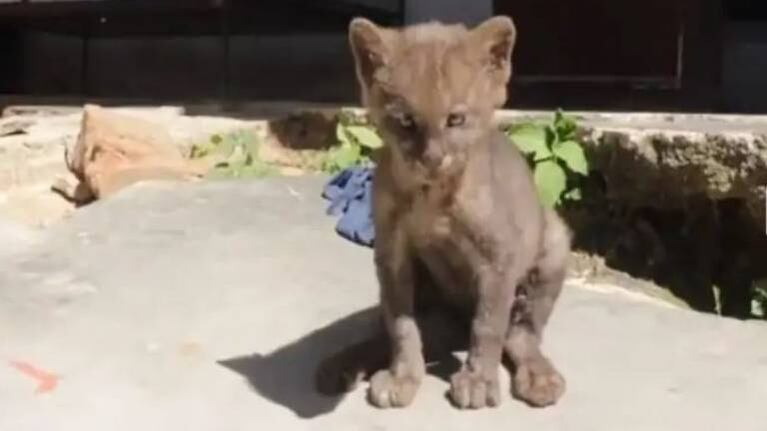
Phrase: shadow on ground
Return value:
(287, 375)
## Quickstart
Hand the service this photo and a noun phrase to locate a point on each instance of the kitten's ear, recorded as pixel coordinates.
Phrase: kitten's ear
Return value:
(494, 39)
(370, 46)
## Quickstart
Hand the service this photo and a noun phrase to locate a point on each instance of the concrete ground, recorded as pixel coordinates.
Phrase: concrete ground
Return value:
(206, 307)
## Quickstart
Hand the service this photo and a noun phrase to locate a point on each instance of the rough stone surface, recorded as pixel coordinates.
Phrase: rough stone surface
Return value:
(678, 155)
(34, 154)
(661, 168)
(206, 306)
(34, 138)
(115, 150)
(661, 160)
(34, 206)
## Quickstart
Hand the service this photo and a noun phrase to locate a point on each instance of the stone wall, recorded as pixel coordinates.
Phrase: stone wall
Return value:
(677, 199)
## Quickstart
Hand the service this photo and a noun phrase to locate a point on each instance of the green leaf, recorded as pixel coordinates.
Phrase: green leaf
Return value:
(344, 156)
(252, 150)
(199, 151)
(530, 139)
(224, 149)
(551, 136)
(345, 117)
(341, 135)
(203, 149)
(558, 116)
(351, 156)
(573, 195)
(238, 157)
(565, 126)
(572, 154)
(550, 181)
(365, 136)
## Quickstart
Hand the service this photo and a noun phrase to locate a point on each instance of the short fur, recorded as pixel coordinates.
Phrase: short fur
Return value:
(460, 231)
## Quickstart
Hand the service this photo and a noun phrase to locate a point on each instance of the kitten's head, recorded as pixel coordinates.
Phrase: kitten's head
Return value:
(431, 88)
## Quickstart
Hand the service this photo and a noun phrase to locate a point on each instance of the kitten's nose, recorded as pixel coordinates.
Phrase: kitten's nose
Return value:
(433, 156)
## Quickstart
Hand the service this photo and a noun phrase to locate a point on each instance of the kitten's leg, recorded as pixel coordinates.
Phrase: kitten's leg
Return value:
(535, 379)
(476, 384)
(395, 266)
(344, 370)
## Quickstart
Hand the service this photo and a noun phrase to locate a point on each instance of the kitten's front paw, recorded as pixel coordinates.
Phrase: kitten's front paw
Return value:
(474, 390)
(387, 390)
(538, 383)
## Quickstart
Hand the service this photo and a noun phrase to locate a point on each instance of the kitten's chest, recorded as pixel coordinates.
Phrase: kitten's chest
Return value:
(435, 234)
(431, 220)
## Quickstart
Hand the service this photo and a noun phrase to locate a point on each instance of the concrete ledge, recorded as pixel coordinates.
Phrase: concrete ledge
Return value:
(207, 306)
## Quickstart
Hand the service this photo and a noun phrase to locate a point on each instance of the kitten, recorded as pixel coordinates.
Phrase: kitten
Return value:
(463, 246)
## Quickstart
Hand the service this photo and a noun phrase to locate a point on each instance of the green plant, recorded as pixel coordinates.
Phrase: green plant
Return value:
(555, 155)
(356, 142)
(235, 155)
(759, 298)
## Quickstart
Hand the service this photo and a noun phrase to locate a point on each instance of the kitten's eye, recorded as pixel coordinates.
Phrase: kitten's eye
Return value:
(406, 121)
(456, 120)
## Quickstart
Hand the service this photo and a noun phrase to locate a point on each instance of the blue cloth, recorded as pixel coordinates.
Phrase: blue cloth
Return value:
(350, 193)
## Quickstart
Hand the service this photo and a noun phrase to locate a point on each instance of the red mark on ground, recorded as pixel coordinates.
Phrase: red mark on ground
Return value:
(46, 381)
